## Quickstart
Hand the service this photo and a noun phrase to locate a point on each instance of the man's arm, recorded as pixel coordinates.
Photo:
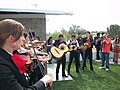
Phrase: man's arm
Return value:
(8, 81)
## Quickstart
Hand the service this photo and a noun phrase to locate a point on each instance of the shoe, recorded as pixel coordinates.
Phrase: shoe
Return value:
(107, 69)
(64, 76)
(92, 69)
(77, 71)
(101, 68)
(82, 69)
(98, 58)
(68, 73)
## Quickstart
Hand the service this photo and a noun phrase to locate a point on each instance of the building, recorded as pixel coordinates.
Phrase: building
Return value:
(33, 19)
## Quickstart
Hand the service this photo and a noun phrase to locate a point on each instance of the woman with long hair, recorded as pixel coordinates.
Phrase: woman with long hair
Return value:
(116, 45)
(49, 44)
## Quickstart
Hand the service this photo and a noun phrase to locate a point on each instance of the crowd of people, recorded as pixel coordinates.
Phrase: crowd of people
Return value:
(23, 57)
(79, 45)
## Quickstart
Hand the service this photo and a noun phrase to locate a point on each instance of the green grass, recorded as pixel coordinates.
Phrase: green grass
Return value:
(88, 80)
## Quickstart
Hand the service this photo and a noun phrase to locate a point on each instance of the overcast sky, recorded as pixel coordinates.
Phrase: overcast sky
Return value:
(93, 15)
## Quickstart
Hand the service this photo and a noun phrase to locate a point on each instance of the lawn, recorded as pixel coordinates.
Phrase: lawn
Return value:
(88, 80)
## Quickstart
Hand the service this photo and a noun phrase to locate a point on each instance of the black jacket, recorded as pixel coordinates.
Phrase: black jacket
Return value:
(11, 78)
(80, 41)
(57, 43)
(91, 41)
(98, 45)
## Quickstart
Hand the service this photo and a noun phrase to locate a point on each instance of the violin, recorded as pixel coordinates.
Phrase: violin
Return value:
(40, 65)
(25, 54)
(27, 46)
(38, 44)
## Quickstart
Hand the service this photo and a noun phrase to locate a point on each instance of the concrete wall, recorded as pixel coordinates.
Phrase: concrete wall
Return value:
(36, 22)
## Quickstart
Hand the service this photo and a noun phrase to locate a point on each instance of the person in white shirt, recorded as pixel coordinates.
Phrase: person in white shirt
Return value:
(73, 46)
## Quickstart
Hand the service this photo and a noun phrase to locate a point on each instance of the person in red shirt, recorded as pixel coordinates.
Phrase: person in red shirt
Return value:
(106, 44)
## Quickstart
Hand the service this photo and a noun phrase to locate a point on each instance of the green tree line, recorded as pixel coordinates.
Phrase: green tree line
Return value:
(112, 30)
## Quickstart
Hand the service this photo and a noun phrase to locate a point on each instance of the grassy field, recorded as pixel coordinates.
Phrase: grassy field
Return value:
(88, 80)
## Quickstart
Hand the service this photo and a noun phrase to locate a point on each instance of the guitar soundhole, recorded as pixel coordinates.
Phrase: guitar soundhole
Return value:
(62, 48)
(73, 47)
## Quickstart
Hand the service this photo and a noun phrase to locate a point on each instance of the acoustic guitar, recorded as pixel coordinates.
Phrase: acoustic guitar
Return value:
(83, 47)
(73, 48)
(88, 44)
(58, 52)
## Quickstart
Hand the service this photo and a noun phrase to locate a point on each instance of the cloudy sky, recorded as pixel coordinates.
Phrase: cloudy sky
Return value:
(93, 15)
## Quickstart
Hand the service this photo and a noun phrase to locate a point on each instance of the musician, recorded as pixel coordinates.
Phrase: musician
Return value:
(97, 44)
(26, 52)
(106, 44)
(62, 59)
(11, 75)
(102, 36)
(73, 45)
(49, 44)
(88, 53)
(80, 41)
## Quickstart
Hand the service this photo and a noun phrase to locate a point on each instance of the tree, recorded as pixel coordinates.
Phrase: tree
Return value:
(63, 31)
(113, 30)
(66, 34)
(56, 34)
(74, 29)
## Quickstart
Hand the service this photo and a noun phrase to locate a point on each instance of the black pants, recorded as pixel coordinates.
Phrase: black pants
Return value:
(97, 54)
(74, 54)
(63, 61)
(88, 54)
(82, 54)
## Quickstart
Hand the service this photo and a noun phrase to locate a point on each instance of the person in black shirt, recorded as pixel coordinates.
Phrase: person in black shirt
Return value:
(97, 43)
(80, 41)
(88, 53)
(62, 59)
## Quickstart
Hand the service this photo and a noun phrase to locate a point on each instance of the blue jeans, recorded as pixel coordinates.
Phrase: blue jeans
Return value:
(105, 57)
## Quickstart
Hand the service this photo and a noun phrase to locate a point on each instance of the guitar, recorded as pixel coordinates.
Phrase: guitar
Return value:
(73, 48)
(88, 44)
(59, 51)
(83, 47)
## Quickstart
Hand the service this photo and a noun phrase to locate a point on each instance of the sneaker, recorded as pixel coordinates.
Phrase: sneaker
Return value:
(107, 69)
(101, 68)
